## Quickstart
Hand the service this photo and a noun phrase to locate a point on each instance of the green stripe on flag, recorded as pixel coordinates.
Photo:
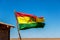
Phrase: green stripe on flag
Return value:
(32, 25)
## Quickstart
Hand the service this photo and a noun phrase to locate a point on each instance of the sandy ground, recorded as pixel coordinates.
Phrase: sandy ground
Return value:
(36, 39)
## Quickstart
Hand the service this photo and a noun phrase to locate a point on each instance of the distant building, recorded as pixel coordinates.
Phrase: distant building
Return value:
(5, 31)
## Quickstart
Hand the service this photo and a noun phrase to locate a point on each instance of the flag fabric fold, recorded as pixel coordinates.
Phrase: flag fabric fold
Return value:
(26, 21)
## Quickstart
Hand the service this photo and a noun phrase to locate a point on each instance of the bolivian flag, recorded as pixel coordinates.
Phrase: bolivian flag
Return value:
(26, 21)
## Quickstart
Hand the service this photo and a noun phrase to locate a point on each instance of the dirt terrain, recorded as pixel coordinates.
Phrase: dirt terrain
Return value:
(36, 39)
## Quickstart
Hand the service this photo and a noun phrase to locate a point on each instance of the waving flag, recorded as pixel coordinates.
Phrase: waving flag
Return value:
(26, 21)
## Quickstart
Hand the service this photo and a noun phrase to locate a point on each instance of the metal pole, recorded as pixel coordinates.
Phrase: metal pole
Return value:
(17, 26)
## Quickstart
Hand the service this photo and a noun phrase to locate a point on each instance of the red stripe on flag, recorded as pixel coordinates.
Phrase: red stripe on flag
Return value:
(18, 14)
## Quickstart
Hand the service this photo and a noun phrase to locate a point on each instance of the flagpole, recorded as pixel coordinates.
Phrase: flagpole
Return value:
(17, 26)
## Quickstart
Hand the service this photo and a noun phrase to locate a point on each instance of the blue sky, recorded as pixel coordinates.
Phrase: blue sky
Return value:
(50, 9)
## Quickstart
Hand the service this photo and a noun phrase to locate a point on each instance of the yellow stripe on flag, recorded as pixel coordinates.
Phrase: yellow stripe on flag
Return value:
(23, 20)
(39, 20)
